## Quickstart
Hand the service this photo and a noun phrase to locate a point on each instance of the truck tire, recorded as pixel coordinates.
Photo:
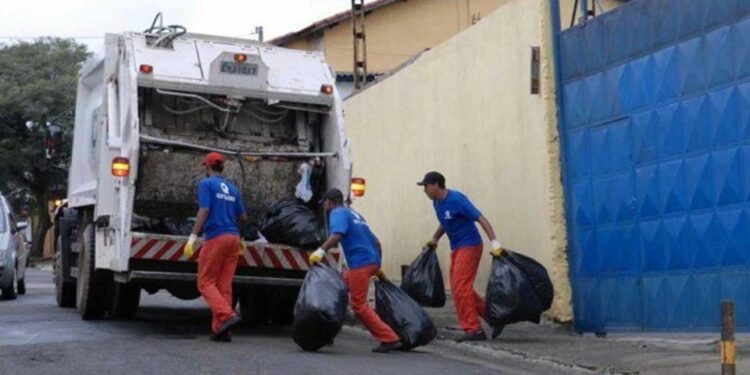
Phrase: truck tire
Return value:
(92, 284)
(125, 300)
(65, 292)
(21, 289)
(9, 293)
(254, 309)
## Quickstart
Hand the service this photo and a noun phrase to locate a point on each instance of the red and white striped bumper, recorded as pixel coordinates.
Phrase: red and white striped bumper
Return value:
(169, 248)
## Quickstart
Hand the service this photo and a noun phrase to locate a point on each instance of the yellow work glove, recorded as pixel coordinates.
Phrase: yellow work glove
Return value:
(317, 256)
(188, 250)
(497, 249)
(243, 247)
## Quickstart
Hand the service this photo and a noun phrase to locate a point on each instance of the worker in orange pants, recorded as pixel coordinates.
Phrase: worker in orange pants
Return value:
(363, 254)
(458, 217)
(220, 209)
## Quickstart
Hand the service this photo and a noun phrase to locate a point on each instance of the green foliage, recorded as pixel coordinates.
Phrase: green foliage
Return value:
(37, 83)
(38, 86)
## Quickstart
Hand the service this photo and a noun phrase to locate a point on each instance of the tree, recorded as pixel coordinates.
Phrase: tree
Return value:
(37, 86)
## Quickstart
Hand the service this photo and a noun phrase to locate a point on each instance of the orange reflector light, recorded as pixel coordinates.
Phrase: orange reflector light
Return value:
(326, 89)
(120, 167)
(240, 57)
(358, 187)
(145, 68)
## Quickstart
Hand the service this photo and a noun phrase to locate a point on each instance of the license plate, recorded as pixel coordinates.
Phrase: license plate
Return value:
(245, 69)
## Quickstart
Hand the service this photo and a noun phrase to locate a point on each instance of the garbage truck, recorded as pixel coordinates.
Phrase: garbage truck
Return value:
(146, 113)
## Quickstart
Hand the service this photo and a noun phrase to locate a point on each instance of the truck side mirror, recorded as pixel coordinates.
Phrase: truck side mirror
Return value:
(53, 140)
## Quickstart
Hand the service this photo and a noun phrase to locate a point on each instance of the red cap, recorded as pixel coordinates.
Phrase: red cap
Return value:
(213, 159)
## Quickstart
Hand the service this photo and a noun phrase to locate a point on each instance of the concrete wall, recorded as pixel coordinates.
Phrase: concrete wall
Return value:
(465, 108)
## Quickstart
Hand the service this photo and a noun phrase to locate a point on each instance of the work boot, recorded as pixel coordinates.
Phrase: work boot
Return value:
(473, 336)
(387, 347)
(223, 337)
(226, 326)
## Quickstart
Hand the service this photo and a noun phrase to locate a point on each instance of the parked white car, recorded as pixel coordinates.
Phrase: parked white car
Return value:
(13, 253)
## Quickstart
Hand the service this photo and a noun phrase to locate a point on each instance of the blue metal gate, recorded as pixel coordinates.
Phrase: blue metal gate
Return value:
(656, 140)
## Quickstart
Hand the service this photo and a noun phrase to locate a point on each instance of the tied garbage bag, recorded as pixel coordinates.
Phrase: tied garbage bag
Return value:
(514, 296)
(320, 309)
(538, 277)
(291, 223)
(423, 280)
(410, 322)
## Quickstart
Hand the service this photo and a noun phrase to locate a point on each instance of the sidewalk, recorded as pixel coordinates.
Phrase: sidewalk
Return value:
(622, 353)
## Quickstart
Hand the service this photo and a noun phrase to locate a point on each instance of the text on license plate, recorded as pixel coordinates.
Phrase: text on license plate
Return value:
(231, 67)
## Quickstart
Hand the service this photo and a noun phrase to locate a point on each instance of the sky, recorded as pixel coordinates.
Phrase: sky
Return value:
(89, 20)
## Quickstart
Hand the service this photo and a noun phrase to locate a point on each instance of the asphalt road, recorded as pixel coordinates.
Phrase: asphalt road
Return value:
(170, 336)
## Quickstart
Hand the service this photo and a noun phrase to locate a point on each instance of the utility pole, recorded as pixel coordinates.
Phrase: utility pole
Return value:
(360, 44)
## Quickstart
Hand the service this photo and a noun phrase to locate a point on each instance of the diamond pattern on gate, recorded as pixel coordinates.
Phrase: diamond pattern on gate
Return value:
(736, 222)
(673, 187)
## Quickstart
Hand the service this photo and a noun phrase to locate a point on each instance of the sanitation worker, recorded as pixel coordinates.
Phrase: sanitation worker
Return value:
(363, 255)
(457, 217)
(220, 209)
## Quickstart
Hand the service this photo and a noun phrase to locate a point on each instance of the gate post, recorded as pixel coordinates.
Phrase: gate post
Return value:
(728, 352)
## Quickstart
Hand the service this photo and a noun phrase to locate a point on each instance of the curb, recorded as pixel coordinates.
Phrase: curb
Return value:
(447, 348)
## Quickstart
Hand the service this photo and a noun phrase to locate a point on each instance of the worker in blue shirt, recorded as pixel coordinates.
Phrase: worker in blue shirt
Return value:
(363, 256)
(220, 209)
(457, 217)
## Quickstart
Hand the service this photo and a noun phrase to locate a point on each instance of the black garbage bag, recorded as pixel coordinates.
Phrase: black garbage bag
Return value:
(320, 309)
(404, 315)
(538, 277)
(423, 280)
(177, 227)
(291, 223)
(511, 294)
(249, 232)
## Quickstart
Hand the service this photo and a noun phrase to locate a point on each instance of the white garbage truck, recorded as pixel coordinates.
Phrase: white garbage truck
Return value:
(146, 114)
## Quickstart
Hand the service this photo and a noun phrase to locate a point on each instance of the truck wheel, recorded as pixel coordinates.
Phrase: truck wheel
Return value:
(282, 306)
(91, 283)
(125, 300)
(9, 293)
(21, 289)
(65, 292)
(254, 309)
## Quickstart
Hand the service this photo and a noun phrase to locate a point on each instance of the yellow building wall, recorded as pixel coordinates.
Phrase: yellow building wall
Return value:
(465, 109)
(401, 30)
(301, 44)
